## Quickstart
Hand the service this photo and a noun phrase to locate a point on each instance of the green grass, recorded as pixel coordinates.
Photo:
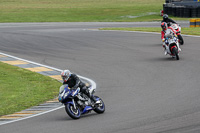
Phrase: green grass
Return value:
(187, 31)
(79, 10)
(21, 89)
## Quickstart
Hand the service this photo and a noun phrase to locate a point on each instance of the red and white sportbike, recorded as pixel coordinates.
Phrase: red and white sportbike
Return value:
(177, 28)
(172, 45)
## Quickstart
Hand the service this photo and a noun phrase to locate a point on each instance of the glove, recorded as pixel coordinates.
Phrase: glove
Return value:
(163, 40)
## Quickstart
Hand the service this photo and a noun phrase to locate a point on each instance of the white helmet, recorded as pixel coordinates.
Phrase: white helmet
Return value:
(65, 74)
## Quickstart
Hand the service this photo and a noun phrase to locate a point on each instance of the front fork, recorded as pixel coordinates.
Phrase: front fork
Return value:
(71, 102)
(74, 103)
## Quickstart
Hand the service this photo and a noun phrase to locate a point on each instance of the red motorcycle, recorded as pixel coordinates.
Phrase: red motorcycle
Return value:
(177, 28)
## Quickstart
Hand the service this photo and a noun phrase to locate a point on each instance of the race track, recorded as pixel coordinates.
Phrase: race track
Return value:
(144, 90)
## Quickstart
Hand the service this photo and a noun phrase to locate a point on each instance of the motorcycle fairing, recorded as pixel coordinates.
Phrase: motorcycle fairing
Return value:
(86, 109)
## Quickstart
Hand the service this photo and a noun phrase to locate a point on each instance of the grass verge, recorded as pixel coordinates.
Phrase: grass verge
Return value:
(21, 89)
(187, 31)
(80, 10)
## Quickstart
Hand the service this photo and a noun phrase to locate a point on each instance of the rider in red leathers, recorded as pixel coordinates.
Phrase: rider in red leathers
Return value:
(164, 28)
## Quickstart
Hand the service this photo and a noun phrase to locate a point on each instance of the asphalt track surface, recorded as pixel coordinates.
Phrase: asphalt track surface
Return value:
(144, 91)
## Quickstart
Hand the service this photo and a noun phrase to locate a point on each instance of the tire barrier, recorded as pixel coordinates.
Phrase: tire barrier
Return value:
(182, 9)
(192, 22)
(197, 22)
(193, 12)
(198, 12)
(186, 12)
(174, 13)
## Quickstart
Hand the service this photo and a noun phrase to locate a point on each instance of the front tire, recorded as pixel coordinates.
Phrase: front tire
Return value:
(72, 112)
(175, 52)
(101, 107)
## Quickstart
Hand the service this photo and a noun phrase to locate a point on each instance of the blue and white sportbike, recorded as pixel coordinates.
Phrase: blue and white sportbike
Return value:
(77, 103)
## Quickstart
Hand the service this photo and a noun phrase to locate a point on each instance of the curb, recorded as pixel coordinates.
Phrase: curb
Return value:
(46, 107)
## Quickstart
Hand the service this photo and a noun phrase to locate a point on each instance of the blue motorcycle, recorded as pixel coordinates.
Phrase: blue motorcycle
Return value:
(77, 103)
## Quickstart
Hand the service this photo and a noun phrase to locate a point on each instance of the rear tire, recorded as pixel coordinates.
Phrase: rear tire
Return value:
(180, 39)
(72, 112)
(175, 52)
(101, 107)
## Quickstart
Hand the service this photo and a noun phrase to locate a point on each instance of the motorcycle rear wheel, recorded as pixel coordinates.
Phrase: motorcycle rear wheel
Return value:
(175, 52)
(101, 107)
(72, 112)
(181, 39)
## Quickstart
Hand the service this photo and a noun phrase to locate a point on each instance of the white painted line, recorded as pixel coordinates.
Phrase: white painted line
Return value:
(31, 62)
(87, 79)
(31, 116)
(147, 32)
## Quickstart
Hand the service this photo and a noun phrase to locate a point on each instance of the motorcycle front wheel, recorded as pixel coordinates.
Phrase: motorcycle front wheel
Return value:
(175, 52)
(74, 113)
(100, 107)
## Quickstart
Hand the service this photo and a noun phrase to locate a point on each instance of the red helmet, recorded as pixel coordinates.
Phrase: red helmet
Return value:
(164, 25)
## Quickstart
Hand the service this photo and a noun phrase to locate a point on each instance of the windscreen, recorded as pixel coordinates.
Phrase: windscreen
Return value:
(62, 88)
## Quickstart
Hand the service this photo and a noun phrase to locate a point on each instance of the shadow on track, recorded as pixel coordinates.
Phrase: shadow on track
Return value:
(67, 118)
(161, 59)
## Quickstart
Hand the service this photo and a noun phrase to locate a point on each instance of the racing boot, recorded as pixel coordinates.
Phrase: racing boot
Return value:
(165, 50)
(92, 97)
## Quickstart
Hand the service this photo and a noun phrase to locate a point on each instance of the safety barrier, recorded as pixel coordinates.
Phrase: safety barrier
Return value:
(194, 22)
(183, 9)
(197, 22)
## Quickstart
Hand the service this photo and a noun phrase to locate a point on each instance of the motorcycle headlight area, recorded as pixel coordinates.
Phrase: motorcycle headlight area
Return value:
(65, 95)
